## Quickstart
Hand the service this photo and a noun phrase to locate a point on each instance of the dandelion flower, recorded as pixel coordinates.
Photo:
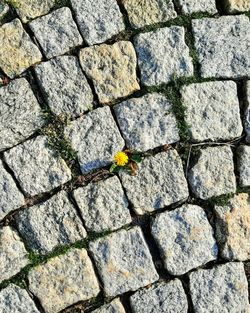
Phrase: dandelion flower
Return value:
(121, 158)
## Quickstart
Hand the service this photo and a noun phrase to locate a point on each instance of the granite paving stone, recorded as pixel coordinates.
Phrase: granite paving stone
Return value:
(195, 6)
(160, 182)
(64, 86)
(113, 307)
(123, 261)
(56, 32)
(36, 167)
(17, 50)
(212, 111)
(147, 12)
(13, 255)
(160, 298)
(112, 68)
(103, 205)
(147, 122)
(11, 197)
(236, 6)
(64, 280)
(163, 55)
(14, 299)
(221, 289)
(247, 112)
(185, 239)
(213, 174)
(20, 113)
(233, 228)
(222, 45)
(98, 20)
(50, 224)
(96, 138)
(243, 164)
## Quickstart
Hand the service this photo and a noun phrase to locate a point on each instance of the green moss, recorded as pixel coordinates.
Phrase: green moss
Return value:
(222, 200)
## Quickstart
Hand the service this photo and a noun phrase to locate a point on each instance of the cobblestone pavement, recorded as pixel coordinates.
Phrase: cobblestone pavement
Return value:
(80, 81)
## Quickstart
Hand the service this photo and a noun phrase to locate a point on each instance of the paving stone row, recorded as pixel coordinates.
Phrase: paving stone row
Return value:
(108, 92)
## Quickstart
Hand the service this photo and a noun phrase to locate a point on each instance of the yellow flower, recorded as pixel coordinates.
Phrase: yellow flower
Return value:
(121, 158)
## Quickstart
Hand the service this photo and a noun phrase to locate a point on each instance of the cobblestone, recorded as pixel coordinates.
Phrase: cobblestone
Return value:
(247, 113)
(243, 154)
(194, 6)
(123, 261)
(163, 55)
(36, 167)
(113, 307)
(160, 182)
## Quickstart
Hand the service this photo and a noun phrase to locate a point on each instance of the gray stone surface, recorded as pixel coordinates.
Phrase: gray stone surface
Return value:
(17, 50)
(13, 256)
(226, 55)
(147, 122)
(194, 6)
(96, 139)
(163, 55)
(243, 164)
(222, 289)
(11, 198)
(36, 167)
(56, 32)
(233, 228)
(103, 205)
(4, 9)
(160, 298)
(212, 111)
(213, 174)
(123, 261)
(98, 20)
(160, 181)
(64, 86)
(14, 299)
(185, 239)
(50, 224)
(247, 112)
(30, 9)
(64, 280)
(113, 307)
(112, 68)
(235, 6)
(20, 113)
(146, 12)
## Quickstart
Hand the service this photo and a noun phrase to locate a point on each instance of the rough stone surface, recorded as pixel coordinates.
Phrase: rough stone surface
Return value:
(243, 160)
(14, 299)
(4, 9)
(247, 113)
(235, 6)
(146, 12)
(64, 280)
(17, 51)
(226, 55)
(163, 55)
(64, 86)
(194, 6)
(221, 289)
(36, 167)
(213, 175)
(160, 181)
(30, 9)
(233, 228)
(98, 20)
(160, 298)
(185, 239)
(123, 261)
(20, 113)
(13, 256)
(112, 68)
(96, 139)
(212, 111)
(56, 32)
(103, 205)
(11, 198)
(113, 307)
(50, 224)
(147, 122)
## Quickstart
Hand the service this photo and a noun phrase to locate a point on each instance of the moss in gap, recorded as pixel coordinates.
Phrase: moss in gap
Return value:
(61, 3)
(222, 200)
